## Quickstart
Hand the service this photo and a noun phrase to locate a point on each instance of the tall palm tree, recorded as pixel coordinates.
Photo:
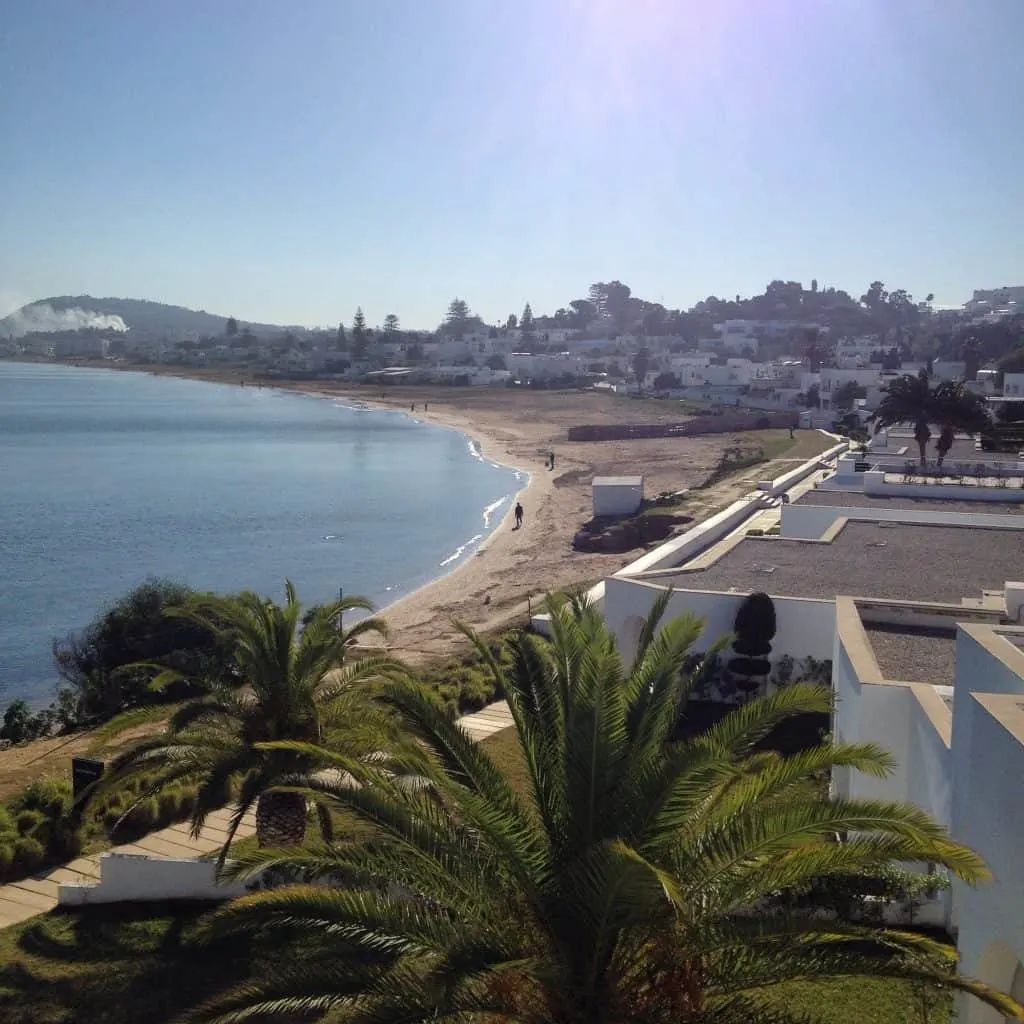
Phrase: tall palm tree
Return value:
(290, 682)
(625, 887)
(910, 399)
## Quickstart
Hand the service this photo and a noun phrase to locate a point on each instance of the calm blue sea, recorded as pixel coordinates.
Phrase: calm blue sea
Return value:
(107, 478)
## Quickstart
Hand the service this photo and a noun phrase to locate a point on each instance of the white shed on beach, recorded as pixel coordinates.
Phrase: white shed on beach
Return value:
(617, 495)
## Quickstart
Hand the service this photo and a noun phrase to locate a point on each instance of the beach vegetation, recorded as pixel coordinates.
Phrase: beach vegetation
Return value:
(289, 683)
(109, 666)
(633, 880)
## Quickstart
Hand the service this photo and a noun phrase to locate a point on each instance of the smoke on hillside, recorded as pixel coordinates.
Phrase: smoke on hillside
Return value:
(43, 317)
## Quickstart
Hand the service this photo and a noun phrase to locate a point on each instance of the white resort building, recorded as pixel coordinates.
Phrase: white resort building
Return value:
(907, 587)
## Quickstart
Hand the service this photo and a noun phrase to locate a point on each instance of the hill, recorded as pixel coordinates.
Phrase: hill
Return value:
(143, 318)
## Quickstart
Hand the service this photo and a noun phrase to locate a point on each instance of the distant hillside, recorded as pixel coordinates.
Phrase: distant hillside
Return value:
(140, 316)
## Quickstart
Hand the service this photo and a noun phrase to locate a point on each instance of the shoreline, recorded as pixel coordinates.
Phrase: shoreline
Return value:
(410, 609)
(500, 583)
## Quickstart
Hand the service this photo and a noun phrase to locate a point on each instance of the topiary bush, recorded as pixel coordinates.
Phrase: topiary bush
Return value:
(754, 628)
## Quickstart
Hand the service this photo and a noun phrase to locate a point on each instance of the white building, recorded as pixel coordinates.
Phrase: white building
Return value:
(926, 660)
(737, 335)
(545, 365)
(1013, 385)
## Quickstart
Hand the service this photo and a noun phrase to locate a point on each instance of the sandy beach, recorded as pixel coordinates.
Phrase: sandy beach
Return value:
(515, 568)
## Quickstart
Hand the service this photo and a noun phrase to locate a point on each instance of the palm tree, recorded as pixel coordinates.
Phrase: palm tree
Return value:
(910, 399)
(292, 681)
(625, 887)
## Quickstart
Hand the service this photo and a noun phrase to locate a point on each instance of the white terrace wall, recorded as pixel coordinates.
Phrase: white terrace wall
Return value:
(875, 484)
(810, 522)
(805, 627)
(908, 720)
(991, 916)
(127, 877)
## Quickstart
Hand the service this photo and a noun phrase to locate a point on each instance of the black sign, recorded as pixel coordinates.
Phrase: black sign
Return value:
(84, 772)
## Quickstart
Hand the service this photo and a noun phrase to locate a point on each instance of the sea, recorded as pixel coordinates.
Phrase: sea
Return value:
(108, 478)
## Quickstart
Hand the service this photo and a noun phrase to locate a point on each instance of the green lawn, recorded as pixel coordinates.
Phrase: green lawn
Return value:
(140, 964)
(119, 964)
(804, 444)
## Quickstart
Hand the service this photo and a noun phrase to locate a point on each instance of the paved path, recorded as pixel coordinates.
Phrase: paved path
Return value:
(38, 893)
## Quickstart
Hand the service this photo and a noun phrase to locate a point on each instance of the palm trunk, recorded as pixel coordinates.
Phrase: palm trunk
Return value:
(280, 819)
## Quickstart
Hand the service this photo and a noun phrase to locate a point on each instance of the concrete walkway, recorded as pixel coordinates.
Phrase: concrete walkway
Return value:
(38, 893)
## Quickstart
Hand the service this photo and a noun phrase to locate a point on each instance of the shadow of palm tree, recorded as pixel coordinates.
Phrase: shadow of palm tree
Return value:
(118, 964)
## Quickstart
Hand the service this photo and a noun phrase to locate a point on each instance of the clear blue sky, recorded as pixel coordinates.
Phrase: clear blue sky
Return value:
(286, 161)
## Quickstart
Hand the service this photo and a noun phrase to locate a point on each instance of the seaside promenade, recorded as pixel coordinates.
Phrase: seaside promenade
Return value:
(38, 894)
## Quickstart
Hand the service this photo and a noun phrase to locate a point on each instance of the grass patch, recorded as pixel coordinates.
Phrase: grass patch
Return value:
(862, 1001)
(132, 963)
(504, 750)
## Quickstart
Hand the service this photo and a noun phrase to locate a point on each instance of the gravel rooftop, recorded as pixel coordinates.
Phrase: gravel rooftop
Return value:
(853, 499)
(898, 561)
(914, 655)
(962, 451)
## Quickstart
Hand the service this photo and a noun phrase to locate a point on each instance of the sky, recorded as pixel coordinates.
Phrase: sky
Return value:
(287, 161)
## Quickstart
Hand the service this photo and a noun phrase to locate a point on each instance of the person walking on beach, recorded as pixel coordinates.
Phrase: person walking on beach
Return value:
(551, 461)
(519, 515)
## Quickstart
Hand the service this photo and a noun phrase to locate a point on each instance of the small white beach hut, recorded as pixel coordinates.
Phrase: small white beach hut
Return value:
(617, 495)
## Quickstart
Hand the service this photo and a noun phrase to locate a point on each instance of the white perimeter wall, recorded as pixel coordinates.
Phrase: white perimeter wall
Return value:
(805, 627)
(128, 877)
(875, 485)
(810, 522)
(991, 916)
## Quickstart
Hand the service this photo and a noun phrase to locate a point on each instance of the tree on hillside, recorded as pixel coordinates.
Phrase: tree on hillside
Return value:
(814, 351)
(845, 395)
(812, 400)
(359, 334)
(342, 341)
(627, 886)
(456, 322)
(231, 327)
(512, 322)
(391, 323)
(911, 400)
(641, 364)
(526, 326)
(875, 298)
(298, 686)
(583, 312)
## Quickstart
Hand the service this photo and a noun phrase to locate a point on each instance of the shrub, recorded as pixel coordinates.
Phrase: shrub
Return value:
(754, 628)
(137, 629)
(53, 797)
(29, 855)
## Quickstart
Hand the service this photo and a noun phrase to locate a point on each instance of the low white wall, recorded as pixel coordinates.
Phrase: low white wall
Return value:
(804, 627)
(810, 522)
(677, 550)
(127, 877)
(875, 484)
(781, 484)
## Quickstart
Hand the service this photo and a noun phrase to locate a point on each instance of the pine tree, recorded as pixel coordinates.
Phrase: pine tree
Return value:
(391, 323)
(231, 327)
(457, 320)
(359, 334)
(526, 326)
(342, 341)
